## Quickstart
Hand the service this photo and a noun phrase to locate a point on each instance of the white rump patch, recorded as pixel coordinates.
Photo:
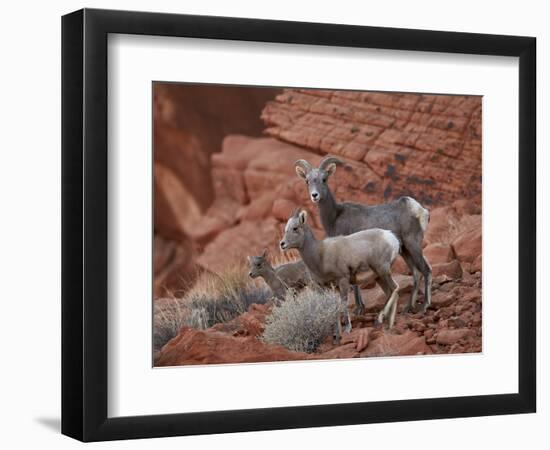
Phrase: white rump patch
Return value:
(421, 213)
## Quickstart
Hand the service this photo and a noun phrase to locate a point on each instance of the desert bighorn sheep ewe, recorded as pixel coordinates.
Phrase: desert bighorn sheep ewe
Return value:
(405, 217)
(338, 260)
(293, 275)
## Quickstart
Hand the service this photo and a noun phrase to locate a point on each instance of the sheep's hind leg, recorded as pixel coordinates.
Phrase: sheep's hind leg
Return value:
(359, 305)
(394, 300)
(409, 307)
(415, 250)
(391, 303)
(387, 292)
(337, 333)
(343, 285)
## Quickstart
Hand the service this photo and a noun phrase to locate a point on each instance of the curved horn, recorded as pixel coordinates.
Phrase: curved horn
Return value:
(329, 160)
(303, 164)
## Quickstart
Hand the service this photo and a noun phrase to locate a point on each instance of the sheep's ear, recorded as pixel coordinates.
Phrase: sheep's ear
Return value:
(264, 254)
(331, 168)
(303, 217)
(302, 168)
(300, 172)
(249, 259)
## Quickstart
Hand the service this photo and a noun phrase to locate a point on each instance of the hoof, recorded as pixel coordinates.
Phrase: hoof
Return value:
(380, 319)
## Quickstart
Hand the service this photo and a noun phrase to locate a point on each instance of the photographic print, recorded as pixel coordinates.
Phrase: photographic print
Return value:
(309, 224)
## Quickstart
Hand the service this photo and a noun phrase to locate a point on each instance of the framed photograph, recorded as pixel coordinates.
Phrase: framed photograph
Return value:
(273, 225)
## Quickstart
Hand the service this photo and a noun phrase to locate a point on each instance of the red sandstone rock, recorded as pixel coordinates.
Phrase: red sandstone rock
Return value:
(233, 245)
(257, 209)
(344, 351)
(176, 209)
(466, 207)
(389, 344)
(420, 148)
(191, 347)
(477, 264)
(467, 246)
(441, 299)
(448, 337)
(451, 270)
(438, 253)
(399, 266)
(283, 208)
(359, 336)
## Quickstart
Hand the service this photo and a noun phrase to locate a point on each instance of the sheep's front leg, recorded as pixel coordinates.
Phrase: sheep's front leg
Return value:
(343, 285)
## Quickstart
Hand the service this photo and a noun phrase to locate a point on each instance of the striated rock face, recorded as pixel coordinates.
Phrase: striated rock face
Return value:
(426, 145)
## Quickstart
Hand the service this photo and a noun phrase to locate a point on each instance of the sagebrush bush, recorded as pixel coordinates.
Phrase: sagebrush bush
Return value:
(212, 299)
(301, 323)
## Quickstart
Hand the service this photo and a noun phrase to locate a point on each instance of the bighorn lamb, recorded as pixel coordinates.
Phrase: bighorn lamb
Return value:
(405, 217)
(293, 275)
(338, 260)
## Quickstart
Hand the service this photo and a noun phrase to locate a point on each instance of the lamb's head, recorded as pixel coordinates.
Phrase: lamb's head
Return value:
(295, 230)
(258, 265)
(317, 179)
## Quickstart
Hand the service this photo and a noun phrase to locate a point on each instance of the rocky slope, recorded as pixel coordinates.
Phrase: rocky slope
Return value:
(451, 325)
(425, 146)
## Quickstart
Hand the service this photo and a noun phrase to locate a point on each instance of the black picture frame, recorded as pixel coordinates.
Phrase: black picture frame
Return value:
(84, 224)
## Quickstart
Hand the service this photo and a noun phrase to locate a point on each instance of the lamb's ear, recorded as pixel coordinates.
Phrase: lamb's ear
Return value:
(264, 254)
(303, 217)
(300, 172)
(302, 168)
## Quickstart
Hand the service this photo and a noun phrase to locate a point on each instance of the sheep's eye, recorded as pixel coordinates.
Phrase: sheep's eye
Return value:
(324, 180)
(295, 229)
(258, 264)
(307, 181)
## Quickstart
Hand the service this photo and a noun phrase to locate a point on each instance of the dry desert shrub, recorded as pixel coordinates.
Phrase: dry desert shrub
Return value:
(168, 318)
(219, 298)
(214, 298)
(301, 323)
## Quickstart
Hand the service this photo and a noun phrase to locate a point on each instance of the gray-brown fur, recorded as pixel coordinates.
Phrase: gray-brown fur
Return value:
(405, 217)
(280, 279)
(338, 260)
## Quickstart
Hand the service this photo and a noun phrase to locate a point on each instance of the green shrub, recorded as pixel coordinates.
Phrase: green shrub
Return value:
(301, 324)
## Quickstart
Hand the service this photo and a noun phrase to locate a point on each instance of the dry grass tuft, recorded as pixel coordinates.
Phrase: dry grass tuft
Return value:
(301, 324)
(220, 298)
(168, 318)
(212, 299)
